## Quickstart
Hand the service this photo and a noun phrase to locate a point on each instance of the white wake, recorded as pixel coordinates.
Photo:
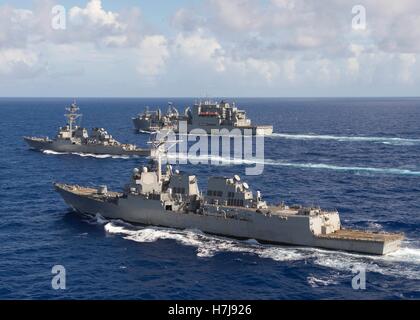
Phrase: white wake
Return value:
(405, 262)
(218, 160)
(384, 140)
(98, 156)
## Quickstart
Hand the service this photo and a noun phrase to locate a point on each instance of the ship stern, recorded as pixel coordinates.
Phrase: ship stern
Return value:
(264, 130)
(361, 241)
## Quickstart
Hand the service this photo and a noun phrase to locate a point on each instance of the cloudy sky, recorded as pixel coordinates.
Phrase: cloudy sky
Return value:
(145, 48)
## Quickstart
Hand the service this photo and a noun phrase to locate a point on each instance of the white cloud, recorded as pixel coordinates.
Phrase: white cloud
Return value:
(407, 61)
(94, 14)
(285, 4)
(94, 24)
(15, 26)
(303, 41)
(237, 43)
(201, 49)
(238, 15)
(153, 53)
(289, 70)
(267, 69)
(18, 62)
(353, 66)
(92, 36)
(204, 50)
(186, 20)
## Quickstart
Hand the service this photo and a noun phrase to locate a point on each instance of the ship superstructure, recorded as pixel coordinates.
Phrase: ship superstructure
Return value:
(207, 115)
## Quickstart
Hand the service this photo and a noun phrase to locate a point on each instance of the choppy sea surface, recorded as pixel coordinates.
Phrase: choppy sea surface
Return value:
(361, 156)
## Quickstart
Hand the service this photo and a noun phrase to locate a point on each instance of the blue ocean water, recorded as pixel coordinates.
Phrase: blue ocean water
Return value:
(360, 156)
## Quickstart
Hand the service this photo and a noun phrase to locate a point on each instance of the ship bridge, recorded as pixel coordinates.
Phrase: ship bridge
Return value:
(232, 192)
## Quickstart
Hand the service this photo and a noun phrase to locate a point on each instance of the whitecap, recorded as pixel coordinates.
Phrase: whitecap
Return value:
(385, 140)
(316, 282)
(100, 219)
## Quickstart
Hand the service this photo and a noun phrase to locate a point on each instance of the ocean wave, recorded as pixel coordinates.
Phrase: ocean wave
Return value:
(316, 282)
(98, 156)
(374, 226)
(405, 262)
(97, 219)
(384, 140)
(218, 160)
(207, 245)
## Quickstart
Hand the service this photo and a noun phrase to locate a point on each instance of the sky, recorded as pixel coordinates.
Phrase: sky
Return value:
(218, 48)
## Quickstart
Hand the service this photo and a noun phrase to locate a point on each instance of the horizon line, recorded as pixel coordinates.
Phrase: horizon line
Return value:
(213, 97)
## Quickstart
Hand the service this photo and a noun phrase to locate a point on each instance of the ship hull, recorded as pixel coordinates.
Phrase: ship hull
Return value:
(68, 147)
(254, 130)
(144, 126)
(291, 230)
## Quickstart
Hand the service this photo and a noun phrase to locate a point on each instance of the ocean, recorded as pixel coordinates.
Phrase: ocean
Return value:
(360, 156)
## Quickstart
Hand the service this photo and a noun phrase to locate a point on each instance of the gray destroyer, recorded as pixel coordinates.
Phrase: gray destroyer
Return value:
(75, 139)
(207, 115)
(228, 208)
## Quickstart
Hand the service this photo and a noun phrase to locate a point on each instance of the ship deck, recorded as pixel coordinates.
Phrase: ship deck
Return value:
(84, 191)
(348, 234)
(281, 211)
(40, 139)
(286, 211)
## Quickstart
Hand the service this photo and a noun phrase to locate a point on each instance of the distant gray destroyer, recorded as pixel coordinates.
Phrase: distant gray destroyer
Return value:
(207, 115)
(75, 139)
(228, 208)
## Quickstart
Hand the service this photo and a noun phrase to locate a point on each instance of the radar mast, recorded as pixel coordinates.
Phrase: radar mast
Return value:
(72, 115)
(159, 146)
